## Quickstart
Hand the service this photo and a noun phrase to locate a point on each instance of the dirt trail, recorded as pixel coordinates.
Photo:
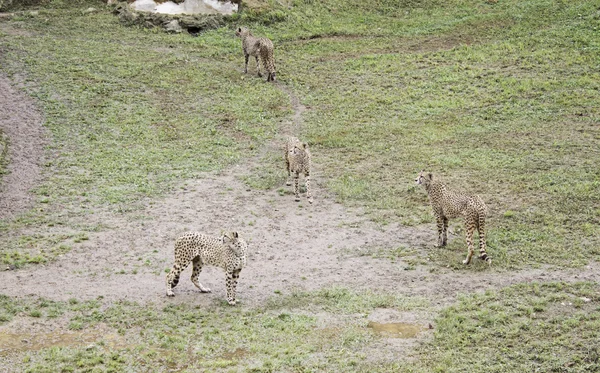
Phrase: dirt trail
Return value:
(21, 122)
(294, 126)
(292, 246)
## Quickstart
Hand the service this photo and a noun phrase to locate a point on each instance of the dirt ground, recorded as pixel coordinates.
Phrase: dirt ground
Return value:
(22, 123)
(292, 245)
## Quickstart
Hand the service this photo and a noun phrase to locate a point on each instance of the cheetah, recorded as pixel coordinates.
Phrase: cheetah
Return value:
(449, 204)
(228, 252)
(297, 160)
(253, 46)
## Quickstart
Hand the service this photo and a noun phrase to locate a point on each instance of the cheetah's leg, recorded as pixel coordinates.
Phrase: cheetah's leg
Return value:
(231, 283)
(197, 268)
(445, 231)
(440, 229)
(469, 235)
(482, 244)
(173, 277)
(258, 67)
(308, 193)
(246, 56)
(287, 164)
(296, 187)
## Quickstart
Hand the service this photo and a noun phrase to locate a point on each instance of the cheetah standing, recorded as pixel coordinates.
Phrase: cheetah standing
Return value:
(297, 159)
(256, 47)
(449, 204)
(227, 252)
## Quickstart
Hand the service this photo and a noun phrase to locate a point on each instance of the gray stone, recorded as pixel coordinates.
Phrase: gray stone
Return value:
(173, 26)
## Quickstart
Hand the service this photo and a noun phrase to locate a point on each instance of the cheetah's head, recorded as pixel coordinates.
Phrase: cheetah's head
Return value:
(242, 31)
(424, 178)
(235, 243)
(299, 148)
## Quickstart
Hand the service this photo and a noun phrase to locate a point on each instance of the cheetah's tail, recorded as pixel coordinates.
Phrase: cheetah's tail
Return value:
(482, 236)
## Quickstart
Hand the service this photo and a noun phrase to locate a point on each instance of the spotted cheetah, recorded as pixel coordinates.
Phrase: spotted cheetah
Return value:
(297, 159)
(449, 204)
(253, 46)
(227, 252)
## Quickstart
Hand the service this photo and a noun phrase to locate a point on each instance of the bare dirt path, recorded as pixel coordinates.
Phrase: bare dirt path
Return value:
(22, 123)
(292, 246)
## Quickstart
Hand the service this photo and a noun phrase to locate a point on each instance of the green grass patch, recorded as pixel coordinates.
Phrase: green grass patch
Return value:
(543, 326)
(498, 100)
(289, 333)
(546, 327)
(37, 248)
(136, 110)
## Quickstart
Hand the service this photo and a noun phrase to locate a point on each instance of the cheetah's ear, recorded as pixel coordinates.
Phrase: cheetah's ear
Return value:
(430, 176)
(305, 145)
(230, 236)
(239, 29)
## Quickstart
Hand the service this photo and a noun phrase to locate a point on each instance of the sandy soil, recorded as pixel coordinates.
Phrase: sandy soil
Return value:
(22, 123)
(292, 245)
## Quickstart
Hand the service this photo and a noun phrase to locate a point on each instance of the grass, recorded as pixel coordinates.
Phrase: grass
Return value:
(497, 99)
(526, 327)
(545, 327)
(303, 331)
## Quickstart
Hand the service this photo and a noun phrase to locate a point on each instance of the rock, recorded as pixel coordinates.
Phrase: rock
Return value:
(89, 10)
(173, 23)
(173, 27)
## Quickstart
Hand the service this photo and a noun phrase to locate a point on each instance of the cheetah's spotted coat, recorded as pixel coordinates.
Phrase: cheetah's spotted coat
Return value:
(227, 252)
(257, 47)
(297, 160)
(449, 204)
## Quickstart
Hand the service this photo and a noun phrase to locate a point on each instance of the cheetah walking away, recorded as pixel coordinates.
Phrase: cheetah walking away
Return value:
(449, 204)
(257, 47)
(297, 159)
(227, 252)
